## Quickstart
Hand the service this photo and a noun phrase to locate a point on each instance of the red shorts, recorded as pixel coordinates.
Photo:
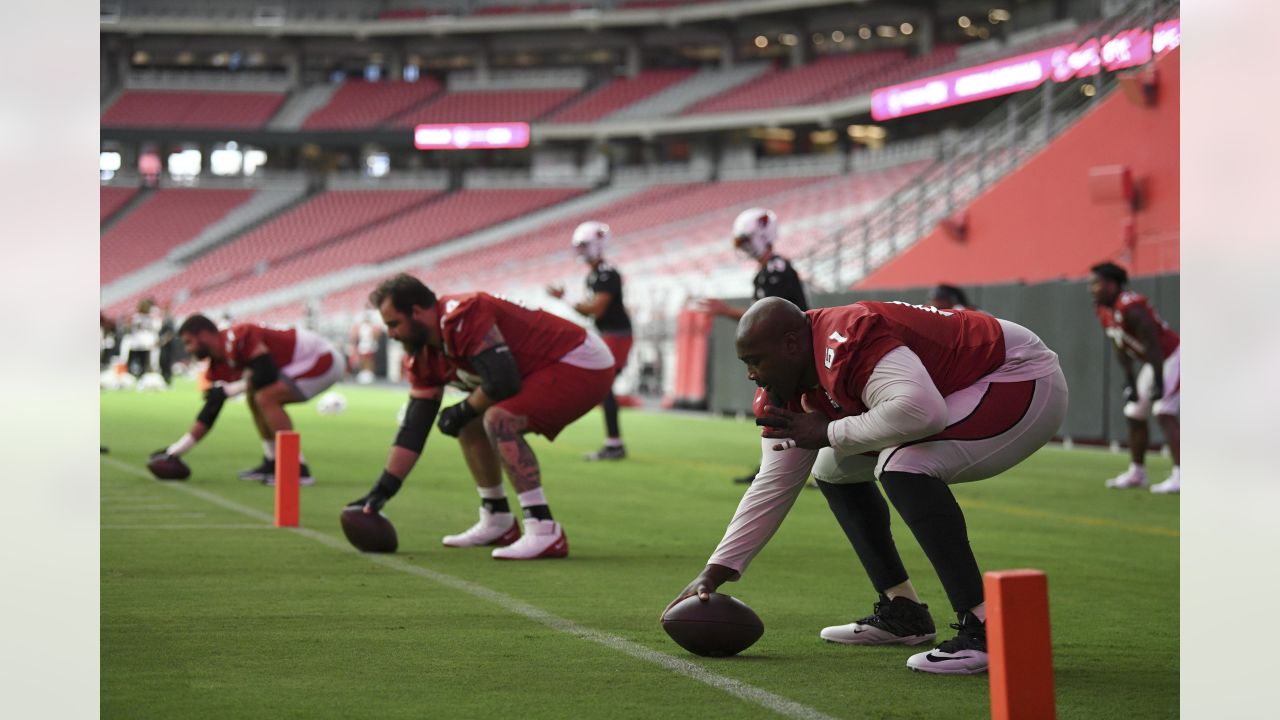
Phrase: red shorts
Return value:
(620, 346)
(557, 395)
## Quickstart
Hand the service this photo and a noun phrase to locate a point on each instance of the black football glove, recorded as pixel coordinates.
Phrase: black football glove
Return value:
(383, 490)
(1130, 393)
(215, 394)
(455, 417)
(161, 453)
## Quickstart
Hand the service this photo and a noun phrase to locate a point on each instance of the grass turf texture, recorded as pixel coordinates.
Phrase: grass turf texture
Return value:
(207, 613)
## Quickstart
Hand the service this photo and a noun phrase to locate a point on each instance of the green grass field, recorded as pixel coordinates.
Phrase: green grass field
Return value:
(209, 612)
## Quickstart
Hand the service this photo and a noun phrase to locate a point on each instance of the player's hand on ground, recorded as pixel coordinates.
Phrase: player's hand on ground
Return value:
(711, 577)
(555, 291)
(455, 417)
(372, 502)
(806, 430)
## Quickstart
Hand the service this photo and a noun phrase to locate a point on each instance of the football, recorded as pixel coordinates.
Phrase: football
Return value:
(719, 627)
(368, 532)
(331, 403)
(168, 467)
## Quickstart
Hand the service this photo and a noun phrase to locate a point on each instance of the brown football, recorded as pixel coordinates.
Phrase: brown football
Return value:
(719, 627)
(168, 467)
(369, 532)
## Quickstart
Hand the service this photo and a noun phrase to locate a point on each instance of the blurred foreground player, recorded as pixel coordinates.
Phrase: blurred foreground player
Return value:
(1141, 336)
(949, 297)
(273, 368)
(755, 232)
(604, 306)
(912, 396)
(528, 370)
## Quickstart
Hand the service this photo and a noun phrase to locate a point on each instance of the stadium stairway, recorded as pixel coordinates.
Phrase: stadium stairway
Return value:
(300, 104)
(265, 205)
(115, 203)
(704, 84)
(354, 282)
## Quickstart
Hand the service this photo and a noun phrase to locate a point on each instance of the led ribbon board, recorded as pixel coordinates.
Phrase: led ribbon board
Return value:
(466, 136)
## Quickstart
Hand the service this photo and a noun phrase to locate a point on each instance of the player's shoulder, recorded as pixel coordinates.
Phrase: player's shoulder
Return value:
(604, 269)
(777, 265)
(1129, 298)
(455, 306)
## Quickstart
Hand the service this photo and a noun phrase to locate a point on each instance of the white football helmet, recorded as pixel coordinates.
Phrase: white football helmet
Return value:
(589, 240)
(754, 231)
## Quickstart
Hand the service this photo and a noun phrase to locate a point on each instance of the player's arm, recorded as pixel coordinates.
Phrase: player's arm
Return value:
(720, 308)
(1145, 330)
(902, 403)
(760, 512)
(424, 403)
(595, 307)
(499, 380)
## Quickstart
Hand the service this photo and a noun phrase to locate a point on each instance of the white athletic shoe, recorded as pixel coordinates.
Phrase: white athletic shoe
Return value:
(965, 654)
(1172, 486)
(1128, 479)
(492, 529)
(542, 539)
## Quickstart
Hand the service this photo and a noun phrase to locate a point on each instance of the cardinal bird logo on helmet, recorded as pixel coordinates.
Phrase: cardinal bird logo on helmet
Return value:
(754, 231)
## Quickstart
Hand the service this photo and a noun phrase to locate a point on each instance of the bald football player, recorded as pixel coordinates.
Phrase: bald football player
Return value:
(914, 397)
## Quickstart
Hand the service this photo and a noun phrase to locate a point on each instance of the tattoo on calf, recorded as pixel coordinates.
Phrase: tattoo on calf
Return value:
(506, 436)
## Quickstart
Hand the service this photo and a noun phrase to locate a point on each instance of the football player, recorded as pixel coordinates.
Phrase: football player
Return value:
(755, 232)
(528, 370)
(914, 397)
(949, 297)
(603, 305)
(1141, 337)
(272, 368)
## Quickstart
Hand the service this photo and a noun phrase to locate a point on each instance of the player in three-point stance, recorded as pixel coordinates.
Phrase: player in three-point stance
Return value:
(527, 371)
(272, 368)
(912, 396)
(1141, 337)
(604, 305)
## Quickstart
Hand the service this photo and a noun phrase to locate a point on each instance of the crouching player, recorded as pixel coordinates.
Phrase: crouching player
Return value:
(912, 396)
(272, 368)
(535, 373)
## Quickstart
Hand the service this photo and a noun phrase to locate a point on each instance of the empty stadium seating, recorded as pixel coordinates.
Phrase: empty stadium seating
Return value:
(160, 223)
(484, 106)
(183, 109)
(618, 94)
(801, 85)
(359, 104)
(422, 227)
(111, 199)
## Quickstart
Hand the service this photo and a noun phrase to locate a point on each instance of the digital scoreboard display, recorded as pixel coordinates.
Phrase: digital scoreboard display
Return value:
(470, 136)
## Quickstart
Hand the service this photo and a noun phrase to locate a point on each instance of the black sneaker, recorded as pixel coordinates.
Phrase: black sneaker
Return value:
(891, 622)
(260, 473)
(304, 476)
(608, 452)
(965, 654)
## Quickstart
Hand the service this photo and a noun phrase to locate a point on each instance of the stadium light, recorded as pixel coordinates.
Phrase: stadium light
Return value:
(906, 28)
(964, 21)
(837, 36)
(864, 32)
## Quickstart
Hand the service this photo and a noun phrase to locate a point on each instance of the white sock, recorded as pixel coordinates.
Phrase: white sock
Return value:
(529, 498)
(980, 612)
(492, 493)
(269, 449)
(613, 442)
(1137, 469)
(1175, 475)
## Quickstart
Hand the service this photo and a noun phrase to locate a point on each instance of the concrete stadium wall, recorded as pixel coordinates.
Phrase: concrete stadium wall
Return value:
(1060, 312)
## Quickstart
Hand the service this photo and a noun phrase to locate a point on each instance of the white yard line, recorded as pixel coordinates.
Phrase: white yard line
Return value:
(737, 688)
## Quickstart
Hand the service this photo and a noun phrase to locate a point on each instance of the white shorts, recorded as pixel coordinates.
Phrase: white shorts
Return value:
(992, 426)
(1166, 404)
(311, 376)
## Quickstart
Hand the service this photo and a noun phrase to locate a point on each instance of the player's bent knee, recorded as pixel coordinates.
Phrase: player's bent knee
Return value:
(497, 420)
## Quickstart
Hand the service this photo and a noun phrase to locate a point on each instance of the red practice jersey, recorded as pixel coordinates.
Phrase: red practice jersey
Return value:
(956, 348)
(537, 339)
(1125, 337)
(240, 342)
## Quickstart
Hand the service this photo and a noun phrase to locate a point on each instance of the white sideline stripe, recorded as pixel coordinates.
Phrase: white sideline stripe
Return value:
(197, 526)
(737, 688)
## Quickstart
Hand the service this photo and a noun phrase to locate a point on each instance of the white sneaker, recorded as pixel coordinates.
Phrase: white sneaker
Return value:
(493, 529)
(542, 539)
(1172, 486)
(1128, 479)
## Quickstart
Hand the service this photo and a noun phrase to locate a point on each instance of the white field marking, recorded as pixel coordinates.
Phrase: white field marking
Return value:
(737, 688)
(121, 505)
(196, 526)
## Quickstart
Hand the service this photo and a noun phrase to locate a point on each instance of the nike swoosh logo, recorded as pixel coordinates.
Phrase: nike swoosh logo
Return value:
(858, 630)
(931, 658)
